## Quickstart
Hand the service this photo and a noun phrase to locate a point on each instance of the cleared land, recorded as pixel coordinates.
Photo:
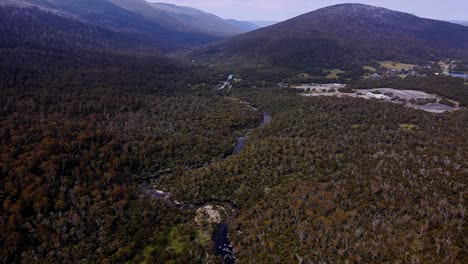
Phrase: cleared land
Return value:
(409, 98)
(396, 65)
(369, 68)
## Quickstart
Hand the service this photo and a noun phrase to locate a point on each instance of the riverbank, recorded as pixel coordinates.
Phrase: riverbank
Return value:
(211, 212)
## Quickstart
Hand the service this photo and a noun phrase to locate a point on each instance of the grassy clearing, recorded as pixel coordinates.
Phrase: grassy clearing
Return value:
(147, 252)
(369, 68)
(203, 238)
(175, 242)
(408, 127)
(396, 65)
(333, 74)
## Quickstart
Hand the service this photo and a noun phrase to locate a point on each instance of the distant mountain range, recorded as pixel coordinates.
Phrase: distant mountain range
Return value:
(166, 27)
(244, 25)
(262, 23)
(250, 25)
(343, 36)
(200, 20)
(162, 26)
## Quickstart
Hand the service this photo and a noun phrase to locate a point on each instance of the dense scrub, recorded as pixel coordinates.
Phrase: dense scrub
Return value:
(334, 180)
(328, 180)
(74, 145)
(87, 114)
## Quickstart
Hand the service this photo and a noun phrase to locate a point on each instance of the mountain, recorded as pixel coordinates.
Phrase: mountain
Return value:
(200, 20)
(112, 13)
(262, 23)
(34, 28)
(41, 39)
(341, 36)
(244, 25)
(37, 44)
(464, 23)
(144, 8)
(135, 18)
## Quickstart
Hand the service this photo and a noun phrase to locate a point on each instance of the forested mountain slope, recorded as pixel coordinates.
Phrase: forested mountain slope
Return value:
(344, 35)
(203, 21)
(135, 18)
(33, 28)
(245, 25)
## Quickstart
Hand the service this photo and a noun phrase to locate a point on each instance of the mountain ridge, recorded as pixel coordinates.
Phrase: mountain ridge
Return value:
(245, 25)
(202, 20)
(341, 36)
(463, 23)
(130, 17)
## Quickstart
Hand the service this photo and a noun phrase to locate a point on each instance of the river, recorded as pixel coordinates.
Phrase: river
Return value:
(240, 141)
(458, 75)
(224, 248)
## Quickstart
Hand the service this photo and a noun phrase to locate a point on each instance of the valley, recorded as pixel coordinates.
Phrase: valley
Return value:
(141, 132)
(220, 235)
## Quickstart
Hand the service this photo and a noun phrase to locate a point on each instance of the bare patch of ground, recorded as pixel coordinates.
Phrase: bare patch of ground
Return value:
(409, 98)
(369, 68)
(391, 65)
(209, 213)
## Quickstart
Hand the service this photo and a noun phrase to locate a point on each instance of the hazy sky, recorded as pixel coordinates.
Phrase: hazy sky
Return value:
(284, 9)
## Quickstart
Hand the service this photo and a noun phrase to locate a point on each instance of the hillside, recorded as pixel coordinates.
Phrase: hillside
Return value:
(341, 36)
(200, 20)
(33, 28)
(264, 23)
(134, 18)
(245, 25)
(45, 42)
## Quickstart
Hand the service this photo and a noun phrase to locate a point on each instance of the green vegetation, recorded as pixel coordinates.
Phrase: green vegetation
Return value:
(336, 168)
(76, 142)
(328, 175)
(333, 74)
(408, 127)
(346, 37)
(203, 238)
(176, 241)
(91, 119)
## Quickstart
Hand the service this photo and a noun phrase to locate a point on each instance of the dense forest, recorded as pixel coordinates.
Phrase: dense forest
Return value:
(333, 179)
(100, 133)
(74, 145)
(338, 179)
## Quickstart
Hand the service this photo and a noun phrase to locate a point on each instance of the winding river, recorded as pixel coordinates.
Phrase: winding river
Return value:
(224, 248)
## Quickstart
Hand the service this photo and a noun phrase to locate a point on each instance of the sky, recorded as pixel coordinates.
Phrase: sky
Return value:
(279, 10)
